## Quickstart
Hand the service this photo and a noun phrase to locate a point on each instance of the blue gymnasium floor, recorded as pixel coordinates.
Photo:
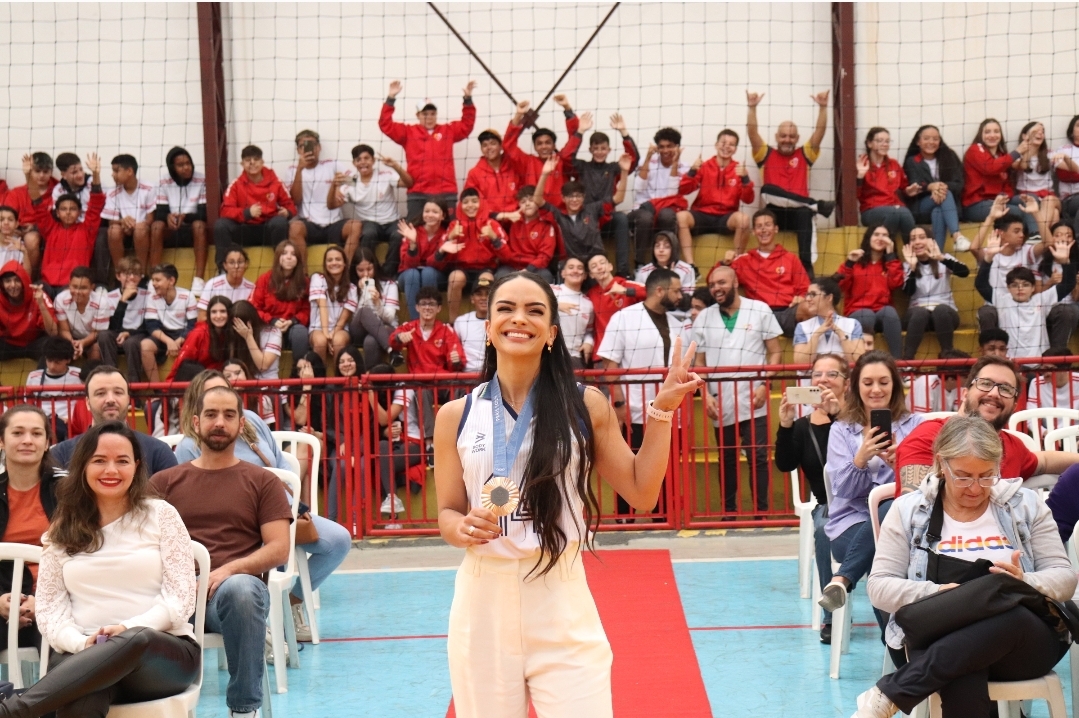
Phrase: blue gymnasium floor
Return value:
(384, 652)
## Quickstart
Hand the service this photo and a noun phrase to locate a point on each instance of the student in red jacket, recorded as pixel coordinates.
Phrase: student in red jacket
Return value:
(26, 315)
(868, 278)
(205, 346)
(468, 251)
(609, 293)
(37, 168)
(280, 297)
(987, 172)
(544, 140)
(723, 185)
(532, 239)
(771, 274)
(418, 252)
(254, 199)
(495, 177)
(68, 242)
(429, 147)
(883, 189)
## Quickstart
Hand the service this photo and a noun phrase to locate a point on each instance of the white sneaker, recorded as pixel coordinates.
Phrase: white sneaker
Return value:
(197, 285)
(269, 648)
(393, 527)
(874, 704)
(303, 630)
(961, 244)
(398, 505)
(385, 508)
(833, 596)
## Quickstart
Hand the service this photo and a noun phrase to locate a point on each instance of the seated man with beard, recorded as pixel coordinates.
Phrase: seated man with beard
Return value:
(990, 391)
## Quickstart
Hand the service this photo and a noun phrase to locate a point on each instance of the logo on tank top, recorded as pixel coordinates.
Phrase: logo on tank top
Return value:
(479, 446)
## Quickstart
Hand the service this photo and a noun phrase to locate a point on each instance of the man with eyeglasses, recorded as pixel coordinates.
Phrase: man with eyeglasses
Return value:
(990, 391)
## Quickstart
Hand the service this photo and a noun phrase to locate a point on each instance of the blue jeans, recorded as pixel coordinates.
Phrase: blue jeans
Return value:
(238, 611)
(326, 554)
(855, 548)
(411, 280)
(944, 216)
(898, 220)
(978, 211)
(888, 321)
(823, 549)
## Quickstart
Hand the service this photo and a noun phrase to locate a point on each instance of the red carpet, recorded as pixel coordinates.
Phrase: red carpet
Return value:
(655, 670)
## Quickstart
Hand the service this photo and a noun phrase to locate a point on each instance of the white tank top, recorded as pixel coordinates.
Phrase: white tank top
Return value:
(474, 446)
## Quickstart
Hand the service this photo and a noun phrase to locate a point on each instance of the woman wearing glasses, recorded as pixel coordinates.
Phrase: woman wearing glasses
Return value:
(826, 331)
(980, 516)
(801, 444)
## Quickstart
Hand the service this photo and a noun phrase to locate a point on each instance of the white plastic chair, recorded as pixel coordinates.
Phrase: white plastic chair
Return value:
(13, 657)
(1046, 688)
(842, 616)
(173, 440)
(804, 511)
(1033, 418)
(282, 628)
(183, 704)
(1066, 436)
(876, 496)
(929, 415)
(311, 598)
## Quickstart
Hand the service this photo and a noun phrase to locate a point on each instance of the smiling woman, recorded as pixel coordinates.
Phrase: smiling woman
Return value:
(526, 513)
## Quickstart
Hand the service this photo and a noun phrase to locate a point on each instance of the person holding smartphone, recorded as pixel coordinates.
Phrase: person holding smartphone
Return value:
(801, 444)
(861, 456)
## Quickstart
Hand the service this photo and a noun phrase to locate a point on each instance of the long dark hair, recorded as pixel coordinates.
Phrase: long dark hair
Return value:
(563, 436)
(219, 338)
(1002, 148)
(1043, 151)
(948, 163)
(336, 289)
(76, 524)
(854, 410)
(47, 463)
(238, 349)
(1045, 265)
(671, 240)
(867, 246)
(366, 254)
(288, 287)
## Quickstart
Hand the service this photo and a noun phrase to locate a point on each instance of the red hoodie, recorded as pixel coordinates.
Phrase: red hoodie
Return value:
(499, 187)
(196, 348)
(986, 176)
(67, 247)
(882, 186)
(21, 323)
(430, 355)
(530, 167)
(429, 155)
(722, 190)
(425, 249)
(269, 193)
(531, 243)
(869, 286)
(270, 307)
(19, 200)
(478, 252)
(605, 305)
(775, 280)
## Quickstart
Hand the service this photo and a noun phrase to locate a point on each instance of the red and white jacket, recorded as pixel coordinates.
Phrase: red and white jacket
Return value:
(429, 154)
(882, 186)
(721, 189)
(775, 280)
(986, 176)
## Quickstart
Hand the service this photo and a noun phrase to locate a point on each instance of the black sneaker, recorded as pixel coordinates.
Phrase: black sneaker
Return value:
(826, 634)
(825, 207)
(396, 359)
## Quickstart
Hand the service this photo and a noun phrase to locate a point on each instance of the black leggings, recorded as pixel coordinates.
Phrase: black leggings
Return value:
(1013, 646)
(138, 665)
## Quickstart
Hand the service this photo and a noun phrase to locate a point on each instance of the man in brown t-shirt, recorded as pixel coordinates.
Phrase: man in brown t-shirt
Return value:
(241, 514)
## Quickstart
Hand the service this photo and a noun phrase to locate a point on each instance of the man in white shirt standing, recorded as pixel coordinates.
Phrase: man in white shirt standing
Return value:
(575, 313)
(657, 179)
(372, 192)
(738, 332)
(470, 327)
(309, 185)
(639, 337)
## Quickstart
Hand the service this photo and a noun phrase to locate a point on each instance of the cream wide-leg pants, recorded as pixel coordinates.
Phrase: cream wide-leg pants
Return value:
(512, 639)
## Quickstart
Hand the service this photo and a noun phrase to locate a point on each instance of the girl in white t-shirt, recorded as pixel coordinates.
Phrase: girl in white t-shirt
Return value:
(333, 302)
(376, 316)
(524, 529)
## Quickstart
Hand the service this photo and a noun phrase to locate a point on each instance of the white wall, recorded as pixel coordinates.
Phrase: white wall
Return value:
(109, 78)
(954, 64)
(327, 66)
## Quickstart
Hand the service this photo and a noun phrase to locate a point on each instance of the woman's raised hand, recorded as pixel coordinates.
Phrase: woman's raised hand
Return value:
(680, 380)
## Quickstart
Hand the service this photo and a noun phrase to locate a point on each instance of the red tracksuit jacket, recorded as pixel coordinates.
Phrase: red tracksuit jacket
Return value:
(498, 187)
(721, 189)
(605, 305)
(429, 155)
(986, 176)
(19, 200)
(478, 252)
(869, 286)
(882, 186)
(67, 247)
(270, 307)
(775, 280)
(530, 167)
(425, 249)
(531, 243)
(269, 193)
(196, 348)
(431, 355)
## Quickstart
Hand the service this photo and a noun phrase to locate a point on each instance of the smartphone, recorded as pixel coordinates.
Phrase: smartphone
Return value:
(308, 145)
(882, 419)
(803, 395)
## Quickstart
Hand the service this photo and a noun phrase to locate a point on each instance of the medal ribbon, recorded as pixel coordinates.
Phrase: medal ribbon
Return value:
(505, 452)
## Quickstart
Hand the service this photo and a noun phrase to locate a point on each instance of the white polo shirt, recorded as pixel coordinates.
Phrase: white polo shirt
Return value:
(1002, 265)
(219, 286)
(270, 343)
(1069, 188)
(928, 393)
(138, 204)
(135, 314)
(470, 330)
(411, 426)
(316, 188)
(60, 406)
(94, 317)
(317, 290)
(659, 184)
(1025, 323)
(633, 342)
(829, 342)
(743, 345)
(1044, 394)
(375, 201)
(173, 317)
(577, 321)
(182, 200)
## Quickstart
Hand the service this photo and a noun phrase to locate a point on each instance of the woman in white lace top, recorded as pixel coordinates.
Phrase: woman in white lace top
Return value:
(116, 588)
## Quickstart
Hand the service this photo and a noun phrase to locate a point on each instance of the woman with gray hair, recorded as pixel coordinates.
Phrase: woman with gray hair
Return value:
(998, 524)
